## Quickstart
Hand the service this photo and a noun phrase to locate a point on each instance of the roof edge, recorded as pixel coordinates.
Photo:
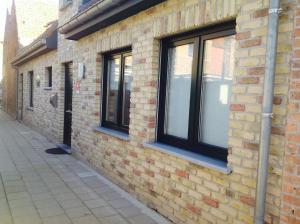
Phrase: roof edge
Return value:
(101, 15)
(36, 48)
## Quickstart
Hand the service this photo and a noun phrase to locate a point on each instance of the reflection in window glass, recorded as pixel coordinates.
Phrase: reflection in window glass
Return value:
(216, 88)
(127, 88)
(179, 75)
(113, 89)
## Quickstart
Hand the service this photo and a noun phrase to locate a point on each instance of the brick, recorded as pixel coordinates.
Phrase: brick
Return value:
(149, 173)
(182, 173)
(260, 13)
(193, 209)
(237, 107)
(256, 71)
(211, 202)
(250, 43)
(294, 138)
(175, 192)
(164, 173)
(247, 200)
(295, 95)
(150, 160)
(133, 154)
(278, 131)
(249, 145)
(243, 35)
(249, 80)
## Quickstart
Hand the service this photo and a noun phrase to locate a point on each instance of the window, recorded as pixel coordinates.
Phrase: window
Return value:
(85, 1)
(48, 78)
(31, 89)
(195, 88)
(117, 84)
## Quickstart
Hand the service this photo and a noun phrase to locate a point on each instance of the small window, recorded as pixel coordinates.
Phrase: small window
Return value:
(48, 78)
(117, 84)
(196, 82)
(83, 2)
(31, 86)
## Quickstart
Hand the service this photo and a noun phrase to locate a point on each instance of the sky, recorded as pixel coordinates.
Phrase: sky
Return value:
(4, 4)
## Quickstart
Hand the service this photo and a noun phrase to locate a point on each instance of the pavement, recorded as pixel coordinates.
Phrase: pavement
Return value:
(39, 188)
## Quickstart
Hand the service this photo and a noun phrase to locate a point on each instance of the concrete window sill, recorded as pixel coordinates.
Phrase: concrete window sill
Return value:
(29, 108)
(114, 133)
(194, 158)
(47, 88)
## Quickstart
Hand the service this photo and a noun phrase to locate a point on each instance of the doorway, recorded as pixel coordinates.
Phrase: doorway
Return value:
(68, 104)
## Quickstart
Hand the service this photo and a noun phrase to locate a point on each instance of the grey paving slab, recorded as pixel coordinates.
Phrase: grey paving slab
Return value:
(38, 188)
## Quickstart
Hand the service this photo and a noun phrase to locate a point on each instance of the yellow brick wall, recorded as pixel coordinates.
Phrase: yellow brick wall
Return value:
(43, 116)
(182, 191)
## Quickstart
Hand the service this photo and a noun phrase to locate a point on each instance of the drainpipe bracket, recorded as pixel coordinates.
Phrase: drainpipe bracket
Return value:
(268, 115)
(275, 10)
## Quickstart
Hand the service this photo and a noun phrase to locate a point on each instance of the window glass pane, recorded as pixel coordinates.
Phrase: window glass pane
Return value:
(50, 77)
(113, 78)
(216, 88)
(31, 89)
(127, 88)
(179, 76)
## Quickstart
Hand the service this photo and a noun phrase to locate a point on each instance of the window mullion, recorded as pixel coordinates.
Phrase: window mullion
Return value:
(120, 96)
(193, 98)
(197, 117)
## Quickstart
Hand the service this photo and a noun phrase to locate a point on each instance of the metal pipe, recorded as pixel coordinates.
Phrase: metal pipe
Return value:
(267, 115)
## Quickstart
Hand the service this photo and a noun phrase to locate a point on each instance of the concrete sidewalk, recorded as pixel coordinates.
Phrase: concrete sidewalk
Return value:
(38, 188)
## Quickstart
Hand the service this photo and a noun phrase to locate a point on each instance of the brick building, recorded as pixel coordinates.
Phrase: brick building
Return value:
(165, 98)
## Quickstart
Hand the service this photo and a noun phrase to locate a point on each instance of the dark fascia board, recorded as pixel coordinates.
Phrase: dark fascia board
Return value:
(114, 15)
(44, 46)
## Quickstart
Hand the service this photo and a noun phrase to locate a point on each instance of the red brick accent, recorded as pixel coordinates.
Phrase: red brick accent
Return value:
(247, 200)
(193, 209)
(211, 202)
(237, 107)
(182, 173)
(291, 199)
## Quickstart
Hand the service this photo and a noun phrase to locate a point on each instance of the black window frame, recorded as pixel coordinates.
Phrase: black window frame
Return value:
(31, 87)
(125, 52)
(198, 38)
(49, 76)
